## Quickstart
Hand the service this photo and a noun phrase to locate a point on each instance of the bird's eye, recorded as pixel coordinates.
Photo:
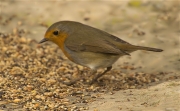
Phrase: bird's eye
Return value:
(56, 32)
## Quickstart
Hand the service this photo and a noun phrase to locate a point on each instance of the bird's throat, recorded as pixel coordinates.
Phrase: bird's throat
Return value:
(61, 43)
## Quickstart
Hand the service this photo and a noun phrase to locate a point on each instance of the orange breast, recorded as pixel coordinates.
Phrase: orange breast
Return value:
(60, 43)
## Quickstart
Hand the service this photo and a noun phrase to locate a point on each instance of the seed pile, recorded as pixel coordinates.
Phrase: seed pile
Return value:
(31, 77)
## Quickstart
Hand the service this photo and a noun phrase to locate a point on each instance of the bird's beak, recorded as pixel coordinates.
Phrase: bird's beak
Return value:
(43, 40)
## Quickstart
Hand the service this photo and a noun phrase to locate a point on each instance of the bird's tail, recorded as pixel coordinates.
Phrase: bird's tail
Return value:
(147, 49)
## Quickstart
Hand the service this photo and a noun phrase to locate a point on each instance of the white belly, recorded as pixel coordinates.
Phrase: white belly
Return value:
(93, 60)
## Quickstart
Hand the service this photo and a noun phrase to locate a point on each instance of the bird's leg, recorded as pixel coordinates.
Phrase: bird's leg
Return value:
(99, 75)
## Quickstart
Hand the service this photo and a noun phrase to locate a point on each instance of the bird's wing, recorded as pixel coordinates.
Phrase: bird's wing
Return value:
(93, 45)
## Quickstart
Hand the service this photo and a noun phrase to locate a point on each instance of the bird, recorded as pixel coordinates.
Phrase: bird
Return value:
(90, 47)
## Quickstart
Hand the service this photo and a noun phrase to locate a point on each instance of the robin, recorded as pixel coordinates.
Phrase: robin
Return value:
(88, 46)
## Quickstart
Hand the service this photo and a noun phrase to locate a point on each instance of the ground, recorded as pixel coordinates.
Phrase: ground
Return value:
(31, 75)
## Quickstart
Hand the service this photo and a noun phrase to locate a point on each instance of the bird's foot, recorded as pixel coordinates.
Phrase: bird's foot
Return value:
(95, 78)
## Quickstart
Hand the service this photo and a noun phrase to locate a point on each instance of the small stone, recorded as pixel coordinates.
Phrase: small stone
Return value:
(51, 81)
(36, 105)
(30, 87)
(42, 79)
(51, 105)
(16, 100)
(3, 80)
(62, 69)
(33, 93)
(48, 93)
(16, 71)
(23, 40)
(66, 100)
(38, 97)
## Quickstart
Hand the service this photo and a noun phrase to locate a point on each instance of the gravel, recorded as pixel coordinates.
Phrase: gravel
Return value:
(31, 77)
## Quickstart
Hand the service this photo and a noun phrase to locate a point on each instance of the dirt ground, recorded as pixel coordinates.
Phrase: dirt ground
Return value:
(145, 81)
